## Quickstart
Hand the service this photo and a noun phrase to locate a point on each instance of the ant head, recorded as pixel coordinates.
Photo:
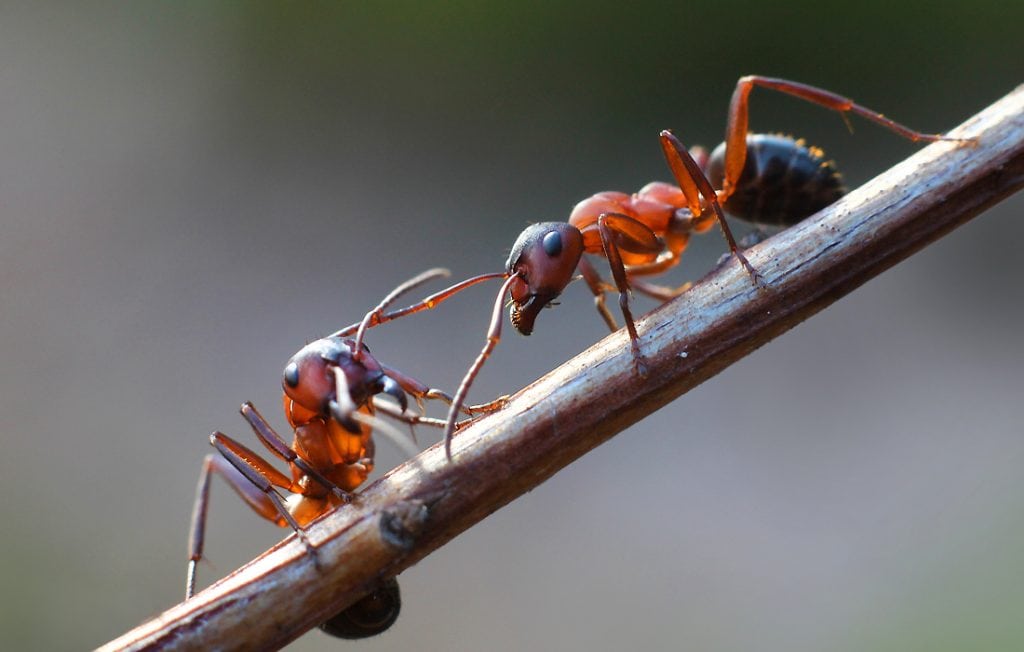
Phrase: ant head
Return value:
(309, 377)
(545, 257)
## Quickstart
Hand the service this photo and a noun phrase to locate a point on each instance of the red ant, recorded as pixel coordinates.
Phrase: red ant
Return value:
(759, 178)
(328, 390)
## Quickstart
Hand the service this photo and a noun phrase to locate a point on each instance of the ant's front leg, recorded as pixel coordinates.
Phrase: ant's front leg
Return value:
(598, 287)
(420, 391)
(273, 442)
(493, 337)
(412, 419)
(615, 228)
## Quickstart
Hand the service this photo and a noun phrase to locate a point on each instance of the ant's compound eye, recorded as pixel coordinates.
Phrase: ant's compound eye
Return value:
(552, 243)
(291, 374)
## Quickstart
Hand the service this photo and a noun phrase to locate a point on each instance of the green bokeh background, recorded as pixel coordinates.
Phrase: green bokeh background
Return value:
(190, 191)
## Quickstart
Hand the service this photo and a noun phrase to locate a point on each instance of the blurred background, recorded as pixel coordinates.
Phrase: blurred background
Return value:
(191, 191)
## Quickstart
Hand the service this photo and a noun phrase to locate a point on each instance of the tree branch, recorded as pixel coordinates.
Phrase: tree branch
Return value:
(423, 503)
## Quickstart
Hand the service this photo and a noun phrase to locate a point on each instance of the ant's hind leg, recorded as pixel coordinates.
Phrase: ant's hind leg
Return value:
(264, 477)
(738, 123)
(254, 497)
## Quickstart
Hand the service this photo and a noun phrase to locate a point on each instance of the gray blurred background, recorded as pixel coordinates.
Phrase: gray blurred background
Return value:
(191, 191)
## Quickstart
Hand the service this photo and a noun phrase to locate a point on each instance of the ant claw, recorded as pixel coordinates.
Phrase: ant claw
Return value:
(639, 362)
(346, 497)
(493, 406)
(759, 280)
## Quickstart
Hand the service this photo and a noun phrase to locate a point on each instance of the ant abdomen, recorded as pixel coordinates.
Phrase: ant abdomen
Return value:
(783, 181)
(369, 616)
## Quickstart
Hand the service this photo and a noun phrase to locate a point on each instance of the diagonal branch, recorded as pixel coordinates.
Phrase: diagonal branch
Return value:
(423, 503)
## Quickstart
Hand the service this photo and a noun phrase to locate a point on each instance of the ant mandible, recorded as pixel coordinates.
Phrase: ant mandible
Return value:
(328, 390)
(765, 179)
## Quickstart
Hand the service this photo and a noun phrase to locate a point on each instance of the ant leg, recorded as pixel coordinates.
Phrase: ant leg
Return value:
(688, 174)
(269, 437)
(426, 304)
(410, 418)
(658, 292)
(264, 477)
(737, 125)
(420, 391)
(617, 230)
(260, 502)
(605, 225)
(491, 406)
(413, 419)
(493, 337)
(598, 287)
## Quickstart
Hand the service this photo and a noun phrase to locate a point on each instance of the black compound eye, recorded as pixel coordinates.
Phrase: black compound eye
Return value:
(552, 243)
(291, 374)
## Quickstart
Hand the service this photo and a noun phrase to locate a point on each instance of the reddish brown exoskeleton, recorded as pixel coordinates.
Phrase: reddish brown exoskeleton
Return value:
(329, 386)
(759, 178)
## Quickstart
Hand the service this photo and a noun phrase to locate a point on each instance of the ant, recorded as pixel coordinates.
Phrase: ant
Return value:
(328, 390)
(764, 179)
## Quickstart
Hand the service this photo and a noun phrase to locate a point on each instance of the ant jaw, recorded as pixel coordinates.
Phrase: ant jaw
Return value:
(515, 315)
(523, 315)
(391, 387)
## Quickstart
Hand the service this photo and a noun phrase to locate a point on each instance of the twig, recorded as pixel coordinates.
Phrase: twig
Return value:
(422, 504)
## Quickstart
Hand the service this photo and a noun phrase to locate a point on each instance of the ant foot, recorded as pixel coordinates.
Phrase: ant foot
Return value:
(639, 362)
(346, 497)
(755, 275)
(493, 406)
(310, 548)
(759, 280)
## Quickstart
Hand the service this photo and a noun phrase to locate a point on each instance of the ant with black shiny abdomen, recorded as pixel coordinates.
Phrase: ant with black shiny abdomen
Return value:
(329, 386)
(763, 179)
